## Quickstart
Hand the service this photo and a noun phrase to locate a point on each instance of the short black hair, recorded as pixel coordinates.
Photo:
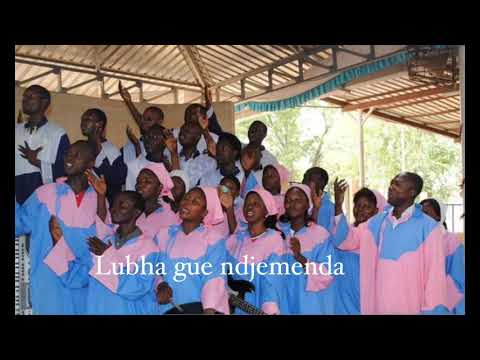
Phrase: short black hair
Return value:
(100, 114)
(137, 199)
(44, 93)
(416, 180)
(434, 204)
(232, 140)
(233, 179)
(261, 124)
(189, 109)
(316, 171)
(87, 147)
(156, 110)
(367, 194)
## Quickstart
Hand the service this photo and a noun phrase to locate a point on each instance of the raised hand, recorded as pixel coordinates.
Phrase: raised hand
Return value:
(131, 136)
(99, 184)
(124, 93)
(208, 96)
(295, 246)
(203, 121)
(212, 148)
(97, 246)
(164, 293)
(55, 230)
(339, 188)
(30, 154)
(20, 117)
(316, 197)
(226, 198)
(171, 143)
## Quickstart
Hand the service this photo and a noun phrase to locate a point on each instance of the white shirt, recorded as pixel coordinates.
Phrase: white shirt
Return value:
(212, 176)
(108, 151)
(47, 136)
(405, 215)
(267, 157)
(129, 153)
(202, 144)
(195, 167)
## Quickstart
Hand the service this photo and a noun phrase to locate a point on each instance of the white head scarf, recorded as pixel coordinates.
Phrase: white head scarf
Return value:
(443, 211)
(182, 175)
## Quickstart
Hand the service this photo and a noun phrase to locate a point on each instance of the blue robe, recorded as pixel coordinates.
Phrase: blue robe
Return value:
(347, 286)
(202, 245)
(122, 294)
(270, 293)
(326, 214)
(48, 294)
(311, 294)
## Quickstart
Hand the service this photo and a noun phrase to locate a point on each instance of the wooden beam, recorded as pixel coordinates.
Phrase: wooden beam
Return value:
(117, 92)
(396, 119)
(187, 54)
(395, 99)
(273, 65)
(81, 84)
(159, 95)
(21, 82)
(355, 53)
(108, 72)
(446, 122)
(433, 114)
(392, 92)
(421, 101)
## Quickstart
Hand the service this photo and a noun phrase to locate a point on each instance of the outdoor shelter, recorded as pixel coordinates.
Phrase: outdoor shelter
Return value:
(420, 86)
(371, 79)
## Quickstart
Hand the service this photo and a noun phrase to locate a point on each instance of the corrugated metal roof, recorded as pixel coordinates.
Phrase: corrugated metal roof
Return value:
(431, 107)
(177, 72)
(165, 63)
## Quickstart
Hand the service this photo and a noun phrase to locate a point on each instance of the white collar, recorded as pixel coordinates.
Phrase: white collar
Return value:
(406, 213)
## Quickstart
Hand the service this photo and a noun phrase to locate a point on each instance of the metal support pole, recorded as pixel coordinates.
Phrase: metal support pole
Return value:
(461, 56)
(101, 83)
(58, 72)
(140, 92)
(217, 94)
(270, 80)
(300, 69)
(402, 142)
(175, 95)
(362, 153)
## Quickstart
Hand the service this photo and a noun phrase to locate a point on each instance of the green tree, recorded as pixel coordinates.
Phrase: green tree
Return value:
(334, 146)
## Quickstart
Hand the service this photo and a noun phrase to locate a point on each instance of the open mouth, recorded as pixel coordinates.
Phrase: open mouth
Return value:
(184, 211)
(68, 164)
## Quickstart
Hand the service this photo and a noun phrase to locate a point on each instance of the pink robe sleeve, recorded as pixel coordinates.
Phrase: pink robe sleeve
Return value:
(435, 294)
(104, 229)
(102, 268)
(59, 257)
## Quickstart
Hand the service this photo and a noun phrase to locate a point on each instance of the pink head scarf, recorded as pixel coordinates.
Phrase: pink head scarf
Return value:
(162, 174)
(267, 199)
(381, 201)
(214, 208)
(284, 175)
(307, 191)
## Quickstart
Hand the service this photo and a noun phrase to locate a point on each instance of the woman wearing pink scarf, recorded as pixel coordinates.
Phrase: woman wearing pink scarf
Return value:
(260, 242)
(275, 180)
(189, 244)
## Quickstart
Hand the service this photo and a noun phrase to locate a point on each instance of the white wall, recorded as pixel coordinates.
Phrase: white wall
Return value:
(66, 110)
